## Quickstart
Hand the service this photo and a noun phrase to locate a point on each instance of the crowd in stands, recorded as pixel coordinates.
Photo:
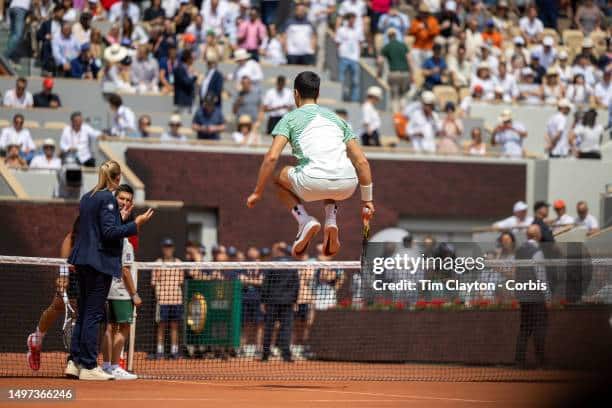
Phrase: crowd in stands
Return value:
(439, 58)
(316, 290)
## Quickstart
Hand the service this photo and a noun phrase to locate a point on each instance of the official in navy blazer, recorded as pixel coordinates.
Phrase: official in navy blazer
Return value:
(213, 81)
(96, 256)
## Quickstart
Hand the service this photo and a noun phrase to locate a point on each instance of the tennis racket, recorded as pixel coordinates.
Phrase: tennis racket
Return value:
(69, 321)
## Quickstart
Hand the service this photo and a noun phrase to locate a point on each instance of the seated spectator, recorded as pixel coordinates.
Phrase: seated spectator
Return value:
(185, 83)
(47, 160)
(370, 135)
(452, 131)
(276, 102)
(529, 91)
(588, 17)
(271, 49)
(217, 17)
(603, 89)
(531, 26)
(486, 55)
(123, 118)
(587, 136)
(182, 18)
(491, 35)
(167, 65)
(173, 133)
(18, 97)
(97, 46)
(208, 121)
(124, 8)
(563, 219)
(213, 44)
(65, 48)
(155, 14)
(552, 89)
(510, 135)
(476, 147)
(145, 71)
(503, 18)
(300, 38)
(70, 13)
(537, 68)
(76, 140)
(547, 55)
(252, 34)
(465, 107)
(450, 24)
(144, 123)
(245, 134)
(81, 30)
(17, 135)
(585, 219)
(396, 53)
(424, 28)
(46, 98)
(13, 160)
(113, 35)
(434, 68)
(472, 37)
(564, 69)
(557, 131)
(131, 35)
(519, 54)
(248, 101)
(349, 41)
(397, 22)
(424, 125)
(117, 72)
(460, 67)
(519, 219)
(85, 66)
(585, 67)
(579, 92)
(507, 84)
(245, 66)
(198, 30)
(484, 81)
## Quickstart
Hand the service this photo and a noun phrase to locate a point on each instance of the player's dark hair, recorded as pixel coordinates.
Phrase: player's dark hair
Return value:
(307, 84)
(74, 115)
(125, 188)
(115, 100)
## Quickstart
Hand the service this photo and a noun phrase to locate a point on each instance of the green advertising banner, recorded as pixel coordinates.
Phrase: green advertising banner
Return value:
(213, 312)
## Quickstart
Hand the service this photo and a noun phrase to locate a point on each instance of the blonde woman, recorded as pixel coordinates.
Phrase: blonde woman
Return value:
(96, 256)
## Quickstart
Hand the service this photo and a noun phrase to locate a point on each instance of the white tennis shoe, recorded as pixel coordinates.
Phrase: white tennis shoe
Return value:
(120, 374)
(94, 374)
(331, 242)
(306, 232)
(72, 369)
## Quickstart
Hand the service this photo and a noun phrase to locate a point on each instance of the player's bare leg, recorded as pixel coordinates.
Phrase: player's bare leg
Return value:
(35, 339)
(308, 226)
(331, 240)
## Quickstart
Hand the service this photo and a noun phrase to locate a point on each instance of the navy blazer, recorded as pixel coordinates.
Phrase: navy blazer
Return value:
(215, 87)
(99, 242)
(184, 86)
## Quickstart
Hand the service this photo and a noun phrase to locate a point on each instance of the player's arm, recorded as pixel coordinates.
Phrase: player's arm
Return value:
(61, 283)
(130, 286)
(360, 162)
(267, 168)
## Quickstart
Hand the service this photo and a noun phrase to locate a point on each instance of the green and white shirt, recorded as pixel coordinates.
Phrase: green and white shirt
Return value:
(118, 291)
(318, 138)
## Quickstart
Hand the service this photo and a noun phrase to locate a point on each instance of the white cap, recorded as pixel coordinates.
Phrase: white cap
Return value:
(499, 89)
(506, 115)
(519, 206)
(49, 142)
(483, 65)
(587, 43)
(428, 98)
(451, 5)
(564, 103)
(518, 40)
(548, 41)
(175, 119)
(241, 54)
(375, 91)
(563, 55)
(245, 3)
(526, 71)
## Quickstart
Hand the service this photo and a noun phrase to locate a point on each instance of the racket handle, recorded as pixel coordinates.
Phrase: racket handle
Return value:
(366, 214)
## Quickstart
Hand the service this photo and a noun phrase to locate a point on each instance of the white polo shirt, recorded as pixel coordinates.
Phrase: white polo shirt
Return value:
(252, 69)
(371, 117)
(428, 127)
(72, 139)
(511, 141)
(12, 100)
(41, 162)
(513, 222)
(589, 222)
(23, 138)
(349, 42)
(559, 123)
(277, 101)
(603, 92)
(565, 219)
(531, 28)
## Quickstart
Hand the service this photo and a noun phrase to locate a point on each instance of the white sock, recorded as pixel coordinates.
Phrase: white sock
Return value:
(160, 349)
(38, 337)
(174, 349)
(106, 365)
(300, 214)
(113, 366)
(330, 213)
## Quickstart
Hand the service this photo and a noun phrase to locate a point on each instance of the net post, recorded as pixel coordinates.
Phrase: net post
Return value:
(131, 345)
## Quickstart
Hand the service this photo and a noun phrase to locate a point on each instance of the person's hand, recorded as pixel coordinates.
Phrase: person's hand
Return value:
(126, 211)
(144, 218)
(368, 210)
(262, 307)
(66, 67)
(253, 199)
(136, 300)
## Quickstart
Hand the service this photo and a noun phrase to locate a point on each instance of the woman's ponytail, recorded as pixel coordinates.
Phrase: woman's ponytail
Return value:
(107, 174)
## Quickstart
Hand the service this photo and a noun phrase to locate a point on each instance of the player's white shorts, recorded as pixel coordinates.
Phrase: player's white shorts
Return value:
(316, 189)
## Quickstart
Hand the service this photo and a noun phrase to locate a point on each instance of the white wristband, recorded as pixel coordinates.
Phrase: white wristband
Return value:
(366, 192)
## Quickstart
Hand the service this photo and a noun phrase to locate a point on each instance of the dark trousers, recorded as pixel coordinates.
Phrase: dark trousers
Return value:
(93, 288)
(372, 139)
(304, 59)
(284, 315)
(533, 322)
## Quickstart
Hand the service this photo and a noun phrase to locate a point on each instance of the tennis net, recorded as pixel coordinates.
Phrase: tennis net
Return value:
(332, 320)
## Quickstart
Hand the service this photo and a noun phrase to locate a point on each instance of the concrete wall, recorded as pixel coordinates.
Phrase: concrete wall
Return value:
(5, 189)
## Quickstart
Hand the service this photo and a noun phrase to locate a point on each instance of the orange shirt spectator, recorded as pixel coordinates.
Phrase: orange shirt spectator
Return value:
(491, 35)
(424, 29)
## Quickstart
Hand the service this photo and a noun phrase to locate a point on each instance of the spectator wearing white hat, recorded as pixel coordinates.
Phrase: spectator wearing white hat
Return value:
(557, 131)
(529, 91)
(424, 125)
(47, 160)
(486, 55)
(246, 67)
(507, 84)
(564, 68)
(519, 51)
(349, 40)
(484, 80)
(371, 121)
(603, 89)
(531, 26)
(245, 133)
(173, 133)
(509, 134)
(552, 88)
(519, 218)
(546, 52)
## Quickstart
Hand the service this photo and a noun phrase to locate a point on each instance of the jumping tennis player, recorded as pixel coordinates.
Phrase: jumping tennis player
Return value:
(122, 297)
(66, 282)
(330, 162)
